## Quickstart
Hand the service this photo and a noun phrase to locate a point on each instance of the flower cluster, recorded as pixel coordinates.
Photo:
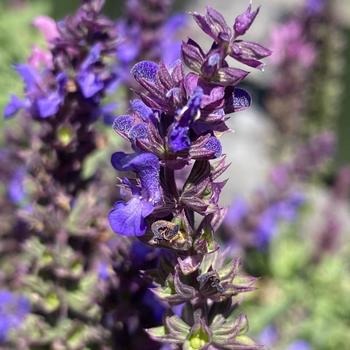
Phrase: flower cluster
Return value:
(72, 72)
(64, 87)
(174, 128)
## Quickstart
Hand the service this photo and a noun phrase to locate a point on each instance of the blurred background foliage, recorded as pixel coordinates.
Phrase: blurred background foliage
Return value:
(298, 298)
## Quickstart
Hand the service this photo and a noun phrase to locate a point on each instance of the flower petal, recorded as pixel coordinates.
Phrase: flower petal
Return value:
(13, 106)
(49, 105)
(128, 218)
(147, 167)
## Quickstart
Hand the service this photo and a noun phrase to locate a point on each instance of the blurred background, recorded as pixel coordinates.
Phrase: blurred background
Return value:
(288, 193)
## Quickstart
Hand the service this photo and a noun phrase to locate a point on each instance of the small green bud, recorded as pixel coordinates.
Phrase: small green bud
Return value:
(65, 135)
(198, 339)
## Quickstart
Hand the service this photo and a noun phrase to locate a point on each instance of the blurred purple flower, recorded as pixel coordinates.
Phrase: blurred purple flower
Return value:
(288, 43)
(41, 99)
(283, 210)
(103, 271)
(236, 212)
(47, 27)
(88, 80)
(13, 310)
(299, 345)
(16, 191)
(40, 58)
(314, 7)
(268, 337)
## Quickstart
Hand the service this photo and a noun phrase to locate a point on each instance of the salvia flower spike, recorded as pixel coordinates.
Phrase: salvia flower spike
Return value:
(176, 125)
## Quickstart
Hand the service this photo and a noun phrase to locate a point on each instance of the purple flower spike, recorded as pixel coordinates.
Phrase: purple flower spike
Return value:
(145, 70)
(245, 20)
(147, 167)
(236, 212)
(128, 219)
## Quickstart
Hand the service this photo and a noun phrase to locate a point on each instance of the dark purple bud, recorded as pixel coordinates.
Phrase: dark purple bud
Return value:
(231, 76)
(249, 53)
(123, 123)
(213, 24)
(238, 101)
(145, 70)
(178, 72)
(192, 55)
(245, 20)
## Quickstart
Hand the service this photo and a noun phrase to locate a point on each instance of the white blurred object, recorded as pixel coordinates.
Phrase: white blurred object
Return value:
(248, 149)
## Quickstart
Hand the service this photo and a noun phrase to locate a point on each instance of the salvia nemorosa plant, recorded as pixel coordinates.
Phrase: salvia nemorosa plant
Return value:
(60, 249)
(174, 129)
(307, 50)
